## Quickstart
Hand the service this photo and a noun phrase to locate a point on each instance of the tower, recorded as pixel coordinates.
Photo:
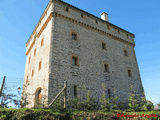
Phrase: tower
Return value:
(69, 44)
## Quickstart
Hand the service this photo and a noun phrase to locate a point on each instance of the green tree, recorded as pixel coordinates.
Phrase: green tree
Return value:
(114, 103)
(7, 97)
(149, 105)
(133, 102)
(105, 103)
(143, 104)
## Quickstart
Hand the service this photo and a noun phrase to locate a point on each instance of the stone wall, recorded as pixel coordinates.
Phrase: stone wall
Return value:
(90, 72)
(40, 79)
(55, 27)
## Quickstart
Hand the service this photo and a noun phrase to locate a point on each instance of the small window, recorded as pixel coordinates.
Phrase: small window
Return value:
(67, 9)
(74, 36)
(103, 45)
(127, 35)
(96, 22)
(129, 73)
(27, 79)
(35, 37)
(106, 68)
(29, 59)
(82, 16)
(74, 61)
(75, 91)
(32, 72)
(118, 32)
(108, 27)
(125, 53)
(40, 63)
(34, 51)
(42, 41)
(109, 93)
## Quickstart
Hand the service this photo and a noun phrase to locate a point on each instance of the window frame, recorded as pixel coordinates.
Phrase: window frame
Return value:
(82, 15)
(129, 73)
(106, 68)
(42, 42)
(125, 53)
(32, 72)
(67, 9)
(75, 91)
(96, 21)
(74, 33)
(103, 46)
(35, 51)
(40, 65)
(77, 60)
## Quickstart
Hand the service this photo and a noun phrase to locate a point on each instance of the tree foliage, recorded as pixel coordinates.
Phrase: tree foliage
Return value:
(7, 98)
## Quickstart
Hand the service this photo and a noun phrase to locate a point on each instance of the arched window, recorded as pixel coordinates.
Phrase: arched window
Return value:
(38, 97)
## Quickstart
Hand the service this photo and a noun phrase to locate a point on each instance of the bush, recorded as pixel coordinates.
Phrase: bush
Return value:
(133, 102)
(105, 103)
(149, 105)
(77, 104)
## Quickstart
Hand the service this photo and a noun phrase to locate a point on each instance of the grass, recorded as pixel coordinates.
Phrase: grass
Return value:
(49, 114)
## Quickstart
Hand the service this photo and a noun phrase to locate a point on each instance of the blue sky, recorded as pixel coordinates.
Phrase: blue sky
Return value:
(141, 17)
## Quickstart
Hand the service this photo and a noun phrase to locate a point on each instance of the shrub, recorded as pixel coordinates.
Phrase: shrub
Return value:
(149, 105)
(115, 103)
(133, 102)
(105, 103)
(77, 104)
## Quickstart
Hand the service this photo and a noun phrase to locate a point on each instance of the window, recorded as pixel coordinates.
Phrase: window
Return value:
(103, 45)
(40, 63)
(109, 93)
(118, 32)
(74, 36)
(125, 53)
(35, 36)
(106, 68)
(34, 51)
(129, 73)
(27, 79)
(82, 16)
(96, 22)
(74, 60)
(67, 9)
(32, 72)
(108, 27)
(29, 59)
(75, 91)
(42, 41)
(127, 35)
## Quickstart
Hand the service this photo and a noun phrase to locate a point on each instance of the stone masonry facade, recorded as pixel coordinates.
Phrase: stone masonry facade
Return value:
(69, 44)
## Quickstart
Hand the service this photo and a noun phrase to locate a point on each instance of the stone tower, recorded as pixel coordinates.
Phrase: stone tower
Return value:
(69, 44)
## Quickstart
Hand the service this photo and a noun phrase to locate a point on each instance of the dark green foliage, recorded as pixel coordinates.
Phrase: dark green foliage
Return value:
(115, 103)
(105, 104)
(149, 105)
(58, 105)
(78, 104)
